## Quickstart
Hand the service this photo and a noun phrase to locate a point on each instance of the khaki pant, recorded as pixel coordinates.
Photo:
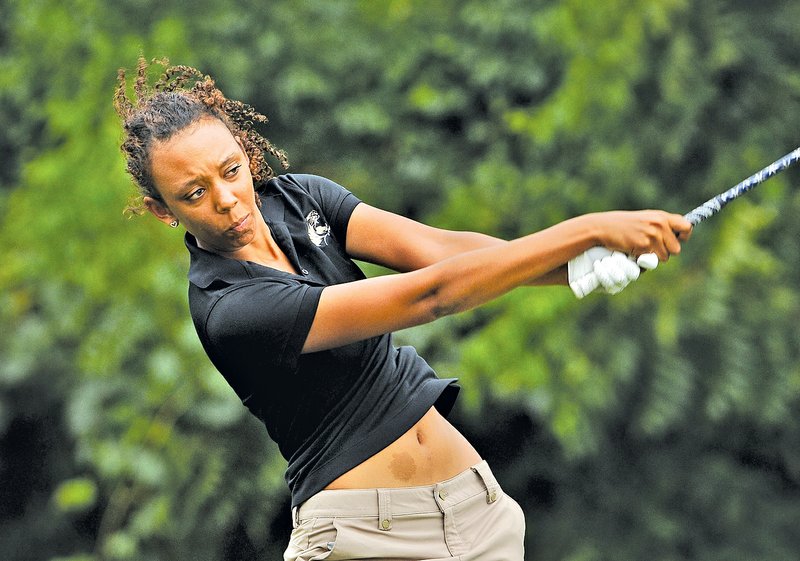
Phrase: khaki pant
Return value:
(468, 517)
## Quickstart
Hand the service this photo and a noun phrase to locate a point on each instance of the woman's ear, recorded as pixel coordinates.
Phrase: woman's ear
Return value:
(159, 210)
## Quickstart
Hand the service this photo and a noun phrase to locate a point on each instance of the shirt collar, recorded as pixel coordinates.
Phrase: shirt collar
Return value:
(206, 267)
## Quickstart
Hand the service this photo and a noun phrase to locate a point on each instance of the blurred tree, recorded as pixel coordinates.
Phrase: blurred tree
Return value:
(656, 424)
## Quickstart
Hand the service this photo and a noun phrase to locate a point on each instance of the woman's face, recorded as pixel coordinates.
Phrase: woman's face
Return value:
(203, 176)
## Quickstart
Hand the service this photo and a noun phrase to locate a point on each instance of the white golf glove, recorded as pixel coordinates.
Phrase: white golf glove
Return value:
(599, 267)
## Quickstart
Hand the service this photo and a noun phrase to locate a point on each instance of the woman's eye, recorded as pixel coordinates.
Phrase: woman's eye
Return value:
(234, 170)
(194, 195)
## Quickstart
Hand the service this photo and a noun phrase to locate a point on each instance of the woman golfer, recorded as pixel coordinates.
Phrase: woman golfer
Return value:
(375, 469)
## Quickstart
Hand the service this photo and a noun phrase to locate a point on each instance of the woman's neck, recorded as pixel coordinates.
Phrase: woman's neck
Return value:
(263, 249)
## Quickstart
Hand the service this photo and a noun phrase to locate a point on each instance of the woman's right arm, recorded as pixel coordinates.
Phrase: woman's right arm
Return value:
(358, 310)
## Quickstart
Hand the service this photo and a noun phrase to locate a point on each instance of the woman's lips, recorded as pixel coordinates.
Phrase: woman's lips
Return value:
(240, 225)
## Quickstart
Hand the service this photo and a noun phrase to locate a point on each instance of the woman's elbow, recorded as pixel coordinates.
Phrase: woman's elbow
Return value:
(439, 304)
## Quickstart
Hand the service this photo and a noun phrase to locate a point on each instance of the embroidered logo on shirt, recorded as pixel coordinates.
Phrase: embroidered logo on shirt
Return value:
(318, 229)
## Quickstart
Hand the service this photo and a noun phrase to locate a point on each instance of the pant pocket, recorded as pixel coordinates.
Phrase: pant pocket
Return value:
(479, 529)
(312, 540)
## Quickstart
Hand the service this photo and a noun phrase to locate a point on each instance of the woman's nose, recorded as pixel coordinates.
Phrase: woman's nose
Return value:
(225, 199)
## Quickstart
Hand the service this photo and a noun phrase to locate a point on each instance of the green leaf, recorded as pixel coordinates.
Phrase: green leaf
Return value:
(76, 495)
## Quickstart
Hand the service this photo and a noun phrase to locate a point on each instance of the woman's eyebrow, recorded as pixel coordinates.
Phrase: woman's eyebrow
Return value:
(188, 184)
(225, 161)
(231, 156)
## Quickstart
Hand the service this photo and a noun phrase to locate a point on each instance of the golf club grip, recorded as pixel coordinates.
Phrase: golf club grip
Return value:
(713, 205)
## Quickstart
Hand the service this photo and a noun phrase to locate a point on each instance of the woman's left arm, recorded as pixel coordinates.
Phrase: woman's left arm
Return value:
(403, 245)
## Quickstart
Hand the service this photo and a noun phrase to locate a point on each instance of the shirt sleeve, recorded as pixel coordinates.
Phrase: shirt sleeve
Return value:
(261, 325)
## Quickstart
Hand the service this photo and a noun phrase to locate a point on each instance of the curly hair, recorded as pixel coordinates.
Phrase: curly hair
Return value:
(181, 97)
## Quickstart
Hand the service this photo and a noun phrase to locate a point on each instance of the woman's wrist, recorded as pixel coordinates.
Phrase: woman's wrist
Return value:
(594, 228)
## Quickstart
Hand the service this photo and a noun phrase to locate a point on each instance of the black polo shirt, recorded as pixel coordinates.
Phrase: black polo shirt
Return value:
(328, 411)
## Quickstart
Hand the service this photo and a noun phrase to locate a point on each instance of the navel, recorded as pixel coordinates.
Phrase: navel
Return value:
(403, 466)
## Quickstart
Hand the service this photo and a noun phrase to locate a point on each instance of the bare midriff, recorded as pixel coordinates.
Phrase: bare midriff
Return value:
(431, 451)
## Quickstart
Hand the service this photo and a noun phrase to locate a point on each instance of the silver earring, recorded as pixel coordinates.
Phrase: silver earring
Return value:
(174, 223)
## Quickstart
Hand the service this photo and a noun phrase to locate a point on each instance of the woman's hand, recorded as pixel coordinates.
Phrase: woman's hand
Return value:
(638, 232)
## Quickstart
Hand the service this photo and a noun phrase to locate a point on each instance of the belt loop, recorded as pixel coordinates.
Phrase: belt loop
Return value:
(295, 516)
(384, 510)
(483, 471)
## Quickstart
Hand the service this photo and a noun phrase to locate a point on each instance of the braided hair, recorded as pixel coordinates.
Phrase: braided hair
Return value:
(181, 97)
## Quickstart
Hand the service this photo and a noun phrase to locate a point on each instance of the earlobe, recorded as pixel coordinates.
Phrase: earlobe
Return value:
(159, 210)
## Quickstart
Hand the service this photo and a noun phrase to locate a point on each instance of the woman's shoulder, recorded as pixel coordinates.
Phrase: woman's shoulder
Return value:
(304, 184)
(302, 194)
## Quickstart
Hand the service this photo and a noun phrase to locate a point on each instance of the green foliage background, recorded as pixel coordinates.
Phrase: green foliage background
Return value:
(659, 424)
